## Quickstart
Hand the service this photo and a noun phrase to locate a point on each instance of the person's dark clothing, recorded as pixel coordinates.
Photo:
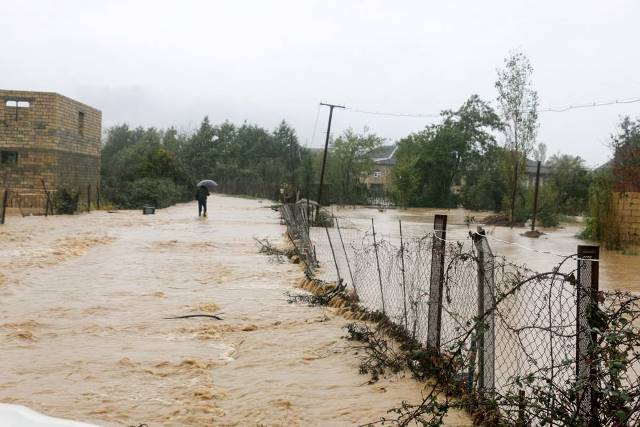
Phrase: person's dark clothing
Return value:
(202, 206)
(201, 197)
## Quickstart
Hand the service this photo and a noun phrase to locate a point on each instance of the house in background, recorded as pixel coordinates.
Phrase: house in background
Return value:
(530, 168)
(47, 141)
(380, 179)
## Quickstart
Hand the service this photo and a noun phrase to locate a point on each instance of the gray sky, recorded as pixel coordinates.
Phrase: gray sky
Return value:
(162, 63)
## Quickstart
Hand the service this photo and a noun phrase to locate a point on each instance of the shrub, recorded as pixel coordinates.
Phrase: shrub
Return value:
(157, 192)
(66, 201)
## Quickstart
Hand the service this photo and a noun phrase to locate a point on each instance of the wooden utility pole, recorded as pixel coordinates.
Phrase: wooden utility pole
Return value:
(326, 147)
(535, 198)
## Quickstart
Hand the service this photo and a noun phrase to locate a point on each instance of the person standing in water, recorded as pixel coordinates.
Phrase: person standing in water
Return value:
(201, 197)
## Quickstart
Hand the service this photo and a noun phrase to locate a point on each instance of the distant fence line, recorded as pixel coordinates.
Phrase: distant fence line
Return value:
(42, 201)
(512, 323)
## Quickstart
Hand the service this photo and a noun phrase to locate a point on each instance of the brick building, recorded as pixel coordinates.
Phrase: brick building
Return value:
(626, 191)
(47, 137)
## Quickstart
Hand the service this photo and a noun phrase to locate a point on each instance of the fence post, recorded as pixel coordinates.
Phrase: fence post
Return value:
(333, 253)
(48, 202)
(404, 284)
(436, 282)
(346, 257)
(5, 203)
(98, 196)
(485, 334)
(587, 304)
(375, 249)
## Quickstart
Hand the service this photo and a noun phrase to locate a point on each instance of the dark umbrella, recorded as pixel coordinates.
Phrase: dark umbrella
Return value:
(209, 184)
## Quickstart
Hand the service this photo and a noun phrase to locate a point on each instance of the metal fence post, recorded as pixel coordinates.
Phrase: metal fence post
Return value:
(436, 282)
(5, 203)
(375, 249)
(98, 196)
(48, 201)
(404, 284)
(88, 197)
(346, 256)
(587, 304)
(485, 335)
(333, 253)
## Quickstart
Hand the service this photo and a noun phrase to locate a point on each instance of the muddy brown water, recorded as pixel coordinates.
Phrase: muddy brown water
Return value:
(617, 270)
(82, 302)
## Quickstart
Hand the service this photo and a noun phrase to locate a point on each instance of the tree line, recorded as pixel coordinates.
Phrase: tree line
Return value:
(476, 157)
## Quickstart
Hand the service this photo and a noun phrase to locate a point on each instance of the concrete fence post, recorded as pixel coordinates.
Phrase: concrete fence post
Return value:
(485, 334)
(587, 304)
(434, 326)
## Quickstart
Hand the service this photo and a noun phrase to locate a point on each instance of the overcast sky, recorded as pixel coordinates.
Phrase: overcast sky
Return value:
(162, 63)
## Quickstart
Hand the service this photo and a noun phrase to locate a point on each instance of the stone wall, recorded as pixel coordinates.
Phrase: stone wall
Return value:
(57, 140)
(626, 206)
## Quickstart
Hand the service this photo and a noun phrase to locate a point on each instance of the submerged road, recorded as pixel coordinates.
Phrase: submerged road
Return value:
(83, 334)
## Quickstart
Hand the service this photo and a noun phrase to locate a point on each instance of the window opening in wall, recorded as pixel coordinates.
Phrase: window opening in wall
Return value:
(81, 123)
(17, 104)
(377, 174)
(9, 157)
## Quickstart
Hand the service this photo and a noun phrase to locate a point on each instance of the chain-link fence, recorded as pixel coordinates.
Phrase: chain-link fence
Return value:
(522, 335)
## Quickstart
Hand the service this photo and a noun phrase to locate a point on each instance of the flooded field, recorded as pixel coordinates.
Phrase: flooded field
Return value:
(84, 336)
(617, 270)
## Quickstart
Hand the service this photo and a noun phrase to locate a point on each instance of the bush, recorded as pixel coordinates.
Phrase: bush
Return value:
(66, 201)
(157, 192)
(548, 211)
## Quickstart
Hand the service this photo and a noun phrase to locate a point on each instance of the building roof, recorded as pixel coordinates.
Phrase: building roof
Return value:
(606, 166)
(384, 155)
(531, 167)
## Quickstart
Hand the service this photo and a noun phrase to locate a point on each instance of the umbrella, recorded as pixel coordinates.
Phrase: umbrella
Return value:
(208, 183)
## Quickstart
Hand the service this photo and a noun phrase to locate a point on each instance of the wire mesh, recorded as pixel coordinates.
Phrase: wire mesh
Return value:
(516, 329)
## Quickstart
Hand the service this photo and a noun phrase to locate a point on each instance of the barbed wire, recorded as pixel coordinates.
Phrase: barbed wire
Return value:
(524, 344)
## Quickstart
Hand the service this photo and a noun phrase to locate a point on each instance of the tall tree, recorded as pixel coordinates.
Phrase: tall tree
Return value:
(571, 180)
(428, 162)
(349, 154)
(518, 105)
(285, 135)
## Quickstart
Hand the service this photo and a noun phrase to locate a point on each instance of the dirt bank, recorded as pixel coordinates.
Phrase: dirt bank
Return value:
(81, 325)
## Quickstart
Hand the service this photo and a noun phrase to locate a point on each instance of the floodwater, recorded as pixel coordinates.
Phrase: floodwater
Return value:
(617, 270)
(82, 305)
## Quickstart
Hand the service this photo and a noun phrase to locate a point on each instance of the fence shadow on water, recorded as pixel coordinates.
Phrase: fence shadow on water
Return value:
(519, 333)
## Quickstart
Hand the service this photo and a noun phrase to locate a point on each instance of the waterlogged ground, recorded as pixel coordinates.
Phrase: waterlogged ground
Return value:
(618, 270)
(82, 302)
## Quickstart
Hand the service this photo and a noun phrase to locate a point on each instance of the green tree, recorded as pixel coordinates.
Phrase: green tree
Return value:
(138, 169)
(570, 179)
(518, 105)
(485, 181)
(428, 162)
(349, 157)
(626, 148)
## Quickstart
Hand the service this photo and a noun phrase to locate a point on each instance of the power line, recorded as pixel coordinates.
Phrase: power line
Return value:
(380, 113)
(543, 110)
(590, 105)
